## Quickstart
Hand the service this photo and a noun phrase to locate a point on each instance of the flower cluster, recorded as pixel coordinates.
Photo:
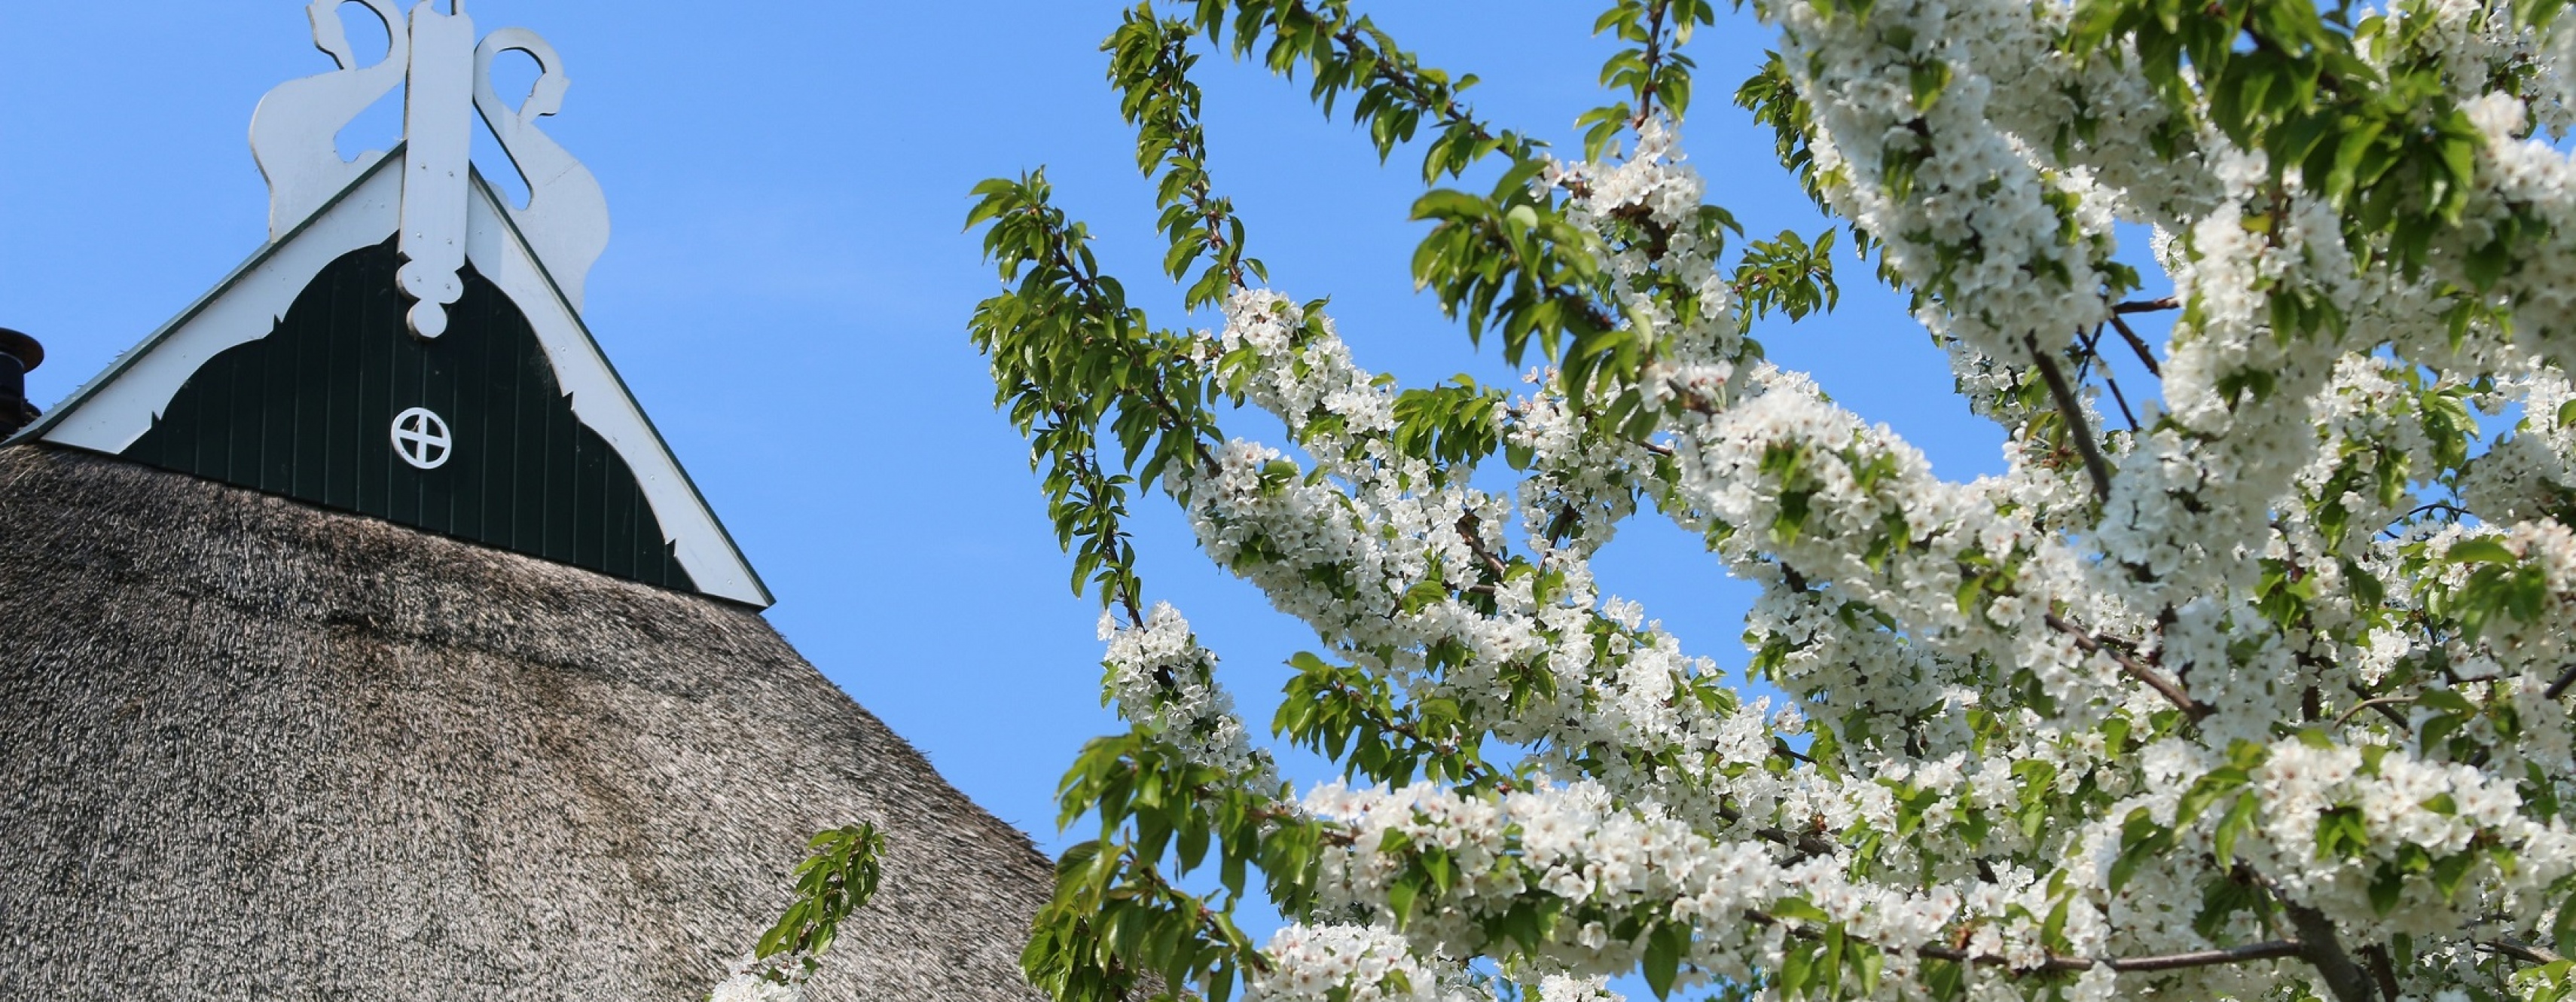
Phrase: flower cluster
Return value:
(1347, 963)
(753, 979)
(1159, 678)
(2266, 695)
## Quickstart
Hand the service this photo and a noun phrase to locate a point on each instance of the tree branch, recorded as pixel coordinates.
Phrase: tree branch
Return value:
(2146, 305)
(2076, 427)
(2279, 949)
(2559, 688)
(2139, 345)
(2092, 352)
(2171, 690)
(2319, 946)
(1086, 470)
(1654, 59)
(2368, 704)
(2529, 953)
(1471, 768)
(1468, 530)
(1809, 845)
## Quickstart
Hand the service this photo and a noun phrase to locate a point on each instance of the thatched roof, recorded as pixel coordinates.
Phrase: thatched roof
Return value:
(251, 749)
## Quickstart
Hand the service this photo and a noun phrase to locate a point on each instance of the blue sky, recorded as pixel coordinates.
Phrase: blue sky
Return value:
(787, 287)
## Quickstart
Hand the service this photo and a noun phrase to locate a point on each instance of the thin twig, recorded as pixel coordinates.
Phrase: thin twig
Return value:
(1086, 469)
(1808, 844)
(2139, 345)
(2383, 709)
(2280, 949)
(1654, 58)
(2093, 350)
(1472, 768)
(2559, 688)
(2347, 716)
(2146, 305)
(1469, 529)
(2090, 644)
(2076, 427)
(2529, 953)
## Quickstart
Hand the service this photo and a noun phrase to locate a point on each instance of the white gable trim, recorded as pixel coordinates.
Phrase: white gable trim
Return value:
(113, 410)
(109, 412)
(601, 400)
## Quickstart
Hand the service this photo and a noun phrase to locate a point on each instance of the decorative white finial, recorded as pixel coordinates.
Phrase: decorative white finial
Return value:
(566, 220)
(294, 133)
(294, 136)
(437, 150)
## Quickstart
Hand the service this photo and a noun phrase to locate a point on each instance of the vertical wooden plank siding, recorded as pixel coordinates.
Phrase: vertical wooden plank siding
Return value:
(307, 412)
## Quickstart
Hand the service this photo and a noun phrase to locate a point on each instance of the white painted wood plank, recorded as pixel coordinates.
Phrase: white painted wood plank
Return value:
(437, 138)
(566, 219)
(120, 404)
(294, 132)
(602, 402)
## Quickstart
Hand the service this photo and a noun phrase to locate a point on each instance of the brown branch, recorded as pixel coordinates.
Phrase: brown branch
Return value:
(1468, 526)
(1189, 142)
(2139, 345)
(2171, 690)
(2383, 709)
(1471, 768)
(1330, 833)
(1397, 69)
(1089, 282)
(1087, 469)
(2383, 970)
(2076, 427)
(2529, 953)
(1783, 748)
(2380, 703)
(1208, 921)
(2146, 305)
(2319, 946)
(2559, 688)
(1809, 845)
(2093, 350)
(1654, 58)
(2279, 949)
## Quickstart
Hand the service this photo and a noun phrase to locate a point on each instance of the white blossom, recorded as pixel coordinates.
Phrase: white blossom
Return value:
(2301, 653)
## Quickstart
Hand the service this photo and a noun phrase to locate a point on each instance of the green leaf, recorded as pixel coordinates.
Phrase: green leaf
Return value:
(2563, 929)
(1798, 909)
(1928, 78)
(2479, 550)
(839, 878)
(1399, 900)
(2239, 819)
(2141, 840)
(2387, 887)
(1664, 949)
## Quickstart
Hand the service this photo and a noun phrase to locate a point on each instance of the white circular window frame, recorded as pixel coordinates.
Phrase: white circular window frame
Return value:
(433, 432)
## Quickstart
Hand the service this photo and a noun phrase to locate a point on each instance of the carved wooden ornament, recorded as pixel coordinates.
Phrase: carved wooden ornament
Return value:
(408, 345)
(445, 74)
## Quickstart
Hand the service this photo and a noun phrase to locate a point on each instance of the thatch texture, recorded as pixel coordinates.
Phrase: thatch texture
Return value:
(251, 749)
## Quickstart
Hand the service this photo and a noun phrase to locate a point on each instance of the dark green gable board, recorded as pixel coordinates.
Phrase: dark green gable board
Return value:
(309, 411)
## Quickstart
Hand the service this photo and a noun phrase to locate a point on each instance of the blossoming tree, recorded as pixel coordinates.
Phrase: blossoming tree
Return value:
(2262, 693)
